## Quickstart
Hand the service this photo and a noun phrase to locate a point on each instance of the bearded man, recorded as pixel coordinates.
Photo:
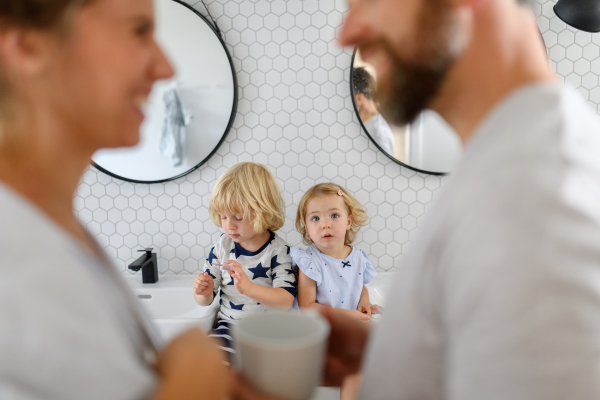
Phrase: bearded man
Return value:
(500, 296)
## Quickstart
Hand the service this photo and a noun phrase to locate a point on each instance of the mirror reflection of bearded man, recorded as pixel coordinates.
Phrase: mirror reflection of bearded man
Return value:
(364, 86)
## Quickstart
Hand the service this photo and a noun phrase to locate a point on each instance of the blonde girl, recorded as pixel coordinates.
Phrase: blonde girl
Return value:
(250, 265)
(332, 272)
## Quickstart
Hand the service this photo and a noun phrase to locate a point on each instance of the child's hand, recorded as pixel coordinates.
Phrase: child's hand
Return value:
(358, 315)
(204, 284)
(240, 279)
(365, 307)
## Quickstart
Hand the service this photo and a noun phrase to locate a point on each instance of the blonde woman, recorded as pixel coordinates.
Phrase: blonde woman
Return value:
(250, 264)
(73, 77)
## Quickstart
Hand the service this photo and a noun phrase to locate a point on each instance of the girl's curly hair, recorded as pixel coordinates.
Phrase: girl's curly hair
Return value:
(354, 207)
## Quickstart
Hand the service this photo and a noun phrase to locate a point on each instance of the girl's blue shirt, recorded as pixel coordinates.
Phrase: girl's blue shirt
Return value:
(339, 282)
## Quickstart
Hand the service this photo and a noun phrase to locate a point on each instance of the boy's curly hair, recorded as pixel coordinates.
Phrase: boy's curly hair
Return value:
(250, 189)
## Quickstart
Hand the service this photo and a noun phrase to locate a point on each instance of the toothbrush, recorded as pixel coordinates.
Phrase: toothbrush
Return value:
(224, 266)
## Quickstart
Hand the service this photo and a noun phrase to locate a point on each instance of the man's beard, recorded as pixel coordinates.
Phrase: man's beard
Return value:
(409, 86)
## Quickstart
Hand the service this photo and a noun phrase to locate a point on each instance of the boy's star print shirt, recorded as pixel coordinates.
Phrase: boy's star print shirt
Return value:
(339, 282)
(270, 266)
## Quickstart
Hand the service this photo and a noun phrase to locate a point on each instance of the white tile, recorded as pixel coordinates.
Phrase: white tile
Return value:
(247, 9)
(574, 52)
(582, 67)
(409, 222)
(255, 22)
(174, 240)
(262, 7)
(296, 116)
(557, 25)
(271, 21)
(231, 9)
(573, 80)
(583, 38)
(303, 20)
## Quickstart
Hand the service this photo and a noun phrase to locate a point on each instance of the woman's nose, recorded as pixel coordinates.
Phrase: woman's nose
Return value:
(162, 67)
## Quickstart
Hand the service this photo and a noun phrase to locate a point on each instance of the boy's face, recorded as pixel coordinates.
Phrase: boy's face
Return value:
(327, 221)
(238, 228)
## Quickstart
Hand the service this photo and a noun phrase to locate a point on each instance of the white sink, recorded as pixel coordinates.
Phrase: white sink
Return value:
(171, 304)
(172, 307)
(380, 287)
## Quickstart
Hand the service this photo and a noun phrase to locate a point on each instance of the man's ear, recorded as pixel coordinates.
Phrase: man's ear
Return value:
(360, 99)
(25, 52)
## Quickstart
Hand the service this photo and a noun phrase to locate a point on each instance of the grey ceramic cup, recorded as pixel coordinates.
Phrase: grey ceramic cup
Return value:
(282, 353)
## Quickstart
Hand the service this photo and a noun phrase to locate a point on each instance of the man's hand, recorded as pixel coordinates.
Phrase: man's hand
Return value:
(347, 340)
(204, 284)
(240, 280)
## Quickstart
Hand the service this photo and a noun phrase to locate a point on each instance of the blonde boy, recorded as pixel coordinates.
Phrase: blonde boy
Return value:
(250, 265)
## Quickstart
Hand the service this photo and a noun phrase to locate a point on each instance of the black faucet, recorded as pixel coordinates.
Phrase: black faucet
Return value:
(147, 263)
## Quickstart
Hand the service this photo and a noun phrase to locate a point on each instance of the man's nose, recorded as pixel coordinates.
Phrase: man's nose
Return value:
(354, 30)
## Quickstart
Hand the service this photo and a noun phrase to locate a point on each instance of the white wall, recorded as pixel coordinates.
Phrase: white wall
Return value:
(295, 115)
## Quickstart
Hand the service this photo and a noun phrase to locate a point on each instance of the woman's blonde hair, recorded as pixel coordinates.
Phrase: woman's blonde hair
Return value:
(354, 207)
(249, 189)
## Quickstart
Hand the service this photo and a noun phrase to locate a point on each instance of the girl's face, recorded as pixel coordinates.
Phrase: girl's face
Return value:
(327, 221)
(240, 229)
(101, 73)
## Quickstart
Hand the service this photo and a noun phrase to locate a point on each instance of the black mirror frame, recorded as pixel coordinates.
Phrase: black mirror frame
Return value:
(391, 157)
(229, 124)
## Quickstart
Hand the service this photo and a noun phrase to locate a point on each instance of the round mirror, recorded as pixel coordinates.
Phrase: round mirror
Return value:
(427, 145)
(188, 115)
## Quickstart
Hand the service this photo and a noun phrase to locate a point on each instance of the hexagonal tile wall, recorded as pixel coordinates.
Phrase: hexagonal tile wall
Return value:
(295, 115)
(574, 54)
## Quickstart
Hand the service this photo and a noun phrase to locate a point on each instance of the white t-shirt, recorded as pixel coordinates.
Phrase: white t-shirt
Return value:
(500, 299)
(380, 131)
(69, 327)
(270, 266)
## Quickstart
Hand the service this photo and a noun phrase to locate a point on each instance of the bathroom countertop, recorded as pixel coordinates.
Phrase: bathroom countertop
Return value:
(164, 281)
(381, 284)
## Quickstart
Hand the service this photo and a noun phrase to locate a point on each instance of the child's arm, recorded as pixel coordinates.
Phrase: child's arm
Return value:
(204, 289)
(364, 304)
(307, 297)
(307, 291)
(270, 297)
(206, 282)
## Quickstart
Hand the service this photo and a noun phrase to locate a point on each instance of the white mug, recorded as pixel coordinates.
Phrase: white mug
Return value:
(282, 353)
